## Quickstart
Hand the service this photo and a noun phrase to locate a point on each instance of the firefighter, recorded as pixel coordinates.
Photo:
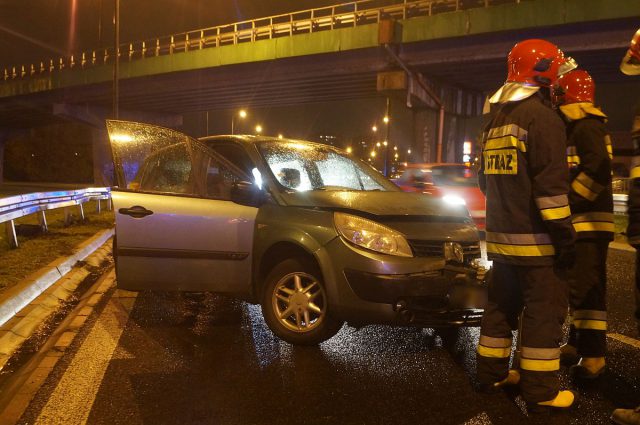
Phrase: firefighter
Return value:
(529, 234)
(631, 66)
(589, 155)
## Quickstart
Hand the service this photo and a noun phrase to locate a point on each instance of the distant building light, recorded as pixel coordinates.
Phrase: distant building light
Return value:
(466, 148)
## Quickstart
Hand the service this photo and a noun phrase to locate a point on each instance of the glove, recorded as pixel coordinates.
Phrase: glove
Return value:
(566, 256)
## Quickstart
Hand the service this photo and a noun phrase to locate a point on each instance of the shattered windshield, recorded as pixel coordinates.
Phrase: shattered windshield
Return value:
(304, 166)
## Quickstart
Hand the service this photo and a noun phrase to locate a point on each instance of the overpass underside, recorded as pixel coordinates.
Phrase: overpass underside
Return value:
(462, 55)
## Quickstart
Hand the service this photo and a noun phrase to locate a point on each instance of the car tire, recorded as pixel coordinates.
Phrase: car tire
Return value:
(295, 304)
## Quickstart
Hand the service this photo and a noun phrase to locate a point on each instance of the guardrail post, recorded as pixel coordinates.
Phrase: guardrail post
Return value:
(98, 206)
(81, 208)
(42, 221)
(67, 216)
(109, 204)
(10, 230)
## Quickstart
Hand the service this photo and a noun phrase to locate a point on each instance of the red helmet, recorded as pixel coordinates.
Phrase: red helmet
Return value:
(631, 62)
(574, 87)
(537, 62)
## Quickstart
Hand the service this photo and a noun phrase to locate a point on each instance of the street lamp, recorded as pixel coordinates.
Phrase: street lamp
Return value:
(280, 136)
(374, 128)
(258, 129)
(349, 150)
(242, 114)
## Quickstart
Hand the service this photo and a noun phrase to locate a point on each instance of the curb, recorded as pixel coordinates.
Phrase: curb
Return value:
(19, 296)
(621, 246)
(23, 325)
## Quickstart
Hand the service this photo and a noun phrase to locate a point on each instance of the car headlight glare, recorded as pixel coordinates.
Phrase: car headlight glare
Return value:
(453, 200)
(371, 235)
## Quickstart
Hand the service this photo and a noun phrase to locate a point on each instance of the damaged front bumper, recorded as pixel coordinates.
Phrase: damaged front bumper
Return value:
(452, 296)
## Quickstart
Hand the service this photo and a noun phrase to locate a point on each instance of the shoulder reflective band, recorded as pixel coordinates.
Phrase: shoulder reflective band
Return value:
(540, 359)
(509, 130)
(505, 143)
(590, 319)
(494, 347)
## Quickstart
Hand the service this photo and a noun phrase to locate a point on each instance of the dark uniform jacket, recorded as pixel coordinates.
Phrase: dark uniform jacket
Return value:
(589, 155)
(525, 178)
(633, 230)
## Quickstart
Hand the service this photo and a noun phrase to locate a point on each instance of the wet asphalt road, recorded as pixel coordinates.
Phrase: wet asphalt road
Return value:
(205, 359)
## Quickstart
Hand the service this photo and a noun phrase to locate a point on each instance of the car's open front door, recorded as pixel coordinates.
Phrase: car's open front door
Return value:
(176, 226)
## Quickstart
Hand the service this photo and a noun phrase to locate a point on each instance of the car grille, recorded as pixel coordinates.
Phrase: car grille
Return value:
(436, 248)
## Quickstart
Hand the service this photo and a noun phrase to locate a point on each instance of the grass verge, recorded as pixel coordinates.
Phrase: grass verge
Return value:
(36, 251)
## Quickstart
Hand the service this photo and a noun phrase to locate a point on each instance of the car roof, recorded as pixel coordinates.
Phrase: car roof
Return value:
(252, 140)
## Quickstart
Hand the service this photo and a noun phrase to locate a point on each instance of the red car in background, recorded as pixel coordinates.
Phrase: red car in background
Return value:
(457, 182)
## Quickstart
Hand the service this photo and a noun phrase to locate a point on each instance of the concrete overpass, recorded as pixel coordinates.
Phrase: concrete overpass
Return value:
(323, 55)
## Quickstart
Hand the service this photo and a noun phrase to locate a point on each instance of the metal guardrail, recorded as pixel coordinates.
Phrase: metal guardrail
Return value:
(620, 203)
(17, 206)
(351, 14)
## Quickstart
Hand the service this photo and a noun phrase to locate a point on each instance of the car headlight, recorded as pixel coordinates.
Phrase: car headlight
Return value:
(453, 200)
(371, 235)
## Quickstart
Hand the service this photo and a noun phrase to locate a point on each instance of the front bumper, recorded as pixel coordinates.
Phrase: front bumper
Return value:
(453, 295)
(369, 288)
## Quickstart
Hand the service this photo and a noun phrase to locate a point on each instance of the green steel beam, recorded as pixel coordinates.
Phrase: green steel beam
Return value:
(509, 17)
(526, 14)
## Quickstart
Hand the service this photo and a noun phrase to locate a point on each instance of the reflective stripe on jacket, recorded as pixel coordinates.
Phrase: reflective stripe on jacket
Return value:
(524, 176)
(589, 156)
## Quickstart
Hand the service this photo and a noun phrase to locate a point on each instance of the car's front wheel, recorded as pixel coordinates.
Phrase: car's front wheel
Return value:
(295, 304)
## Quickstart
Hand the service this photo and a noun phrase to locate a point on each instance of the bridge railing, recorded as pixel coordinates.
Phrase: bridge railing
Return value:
(343, 15)
(17, 206)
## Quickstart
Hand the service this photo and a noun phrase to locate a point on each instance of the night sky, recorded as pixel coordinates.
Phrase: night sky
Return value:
(35, 30)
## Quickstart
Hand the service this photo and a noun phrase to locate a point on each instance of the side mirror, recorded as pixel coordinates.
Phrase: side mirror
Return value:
(248, 194)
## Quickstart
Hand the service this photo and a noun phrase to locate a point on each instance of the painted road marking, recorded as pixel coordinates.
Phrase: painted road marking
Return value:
(480, 419)
(78, 387)
(626, 339)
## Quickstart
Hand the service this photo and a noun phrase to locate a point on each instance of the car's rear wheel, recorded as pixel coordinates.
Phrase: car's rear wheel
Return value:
(295, 304)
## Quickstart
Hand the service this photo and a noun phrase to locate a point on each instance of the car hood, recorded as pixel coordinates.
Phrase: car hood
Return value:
(376, 203)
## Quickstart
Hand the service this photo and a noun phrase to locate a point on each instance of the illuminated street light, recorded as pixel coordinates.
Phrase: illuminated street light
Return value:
(280, 136)
(258, 129)
(374, 128)
(373, 154)
(395, 148)
(409, 151)
(385, 143)
(241, 113)
(349, 149)
(378, 144)
(386, 119)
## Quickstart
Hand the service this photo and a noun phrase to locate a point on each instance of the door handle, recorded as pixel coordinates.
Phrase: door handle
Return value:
(136, 211)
